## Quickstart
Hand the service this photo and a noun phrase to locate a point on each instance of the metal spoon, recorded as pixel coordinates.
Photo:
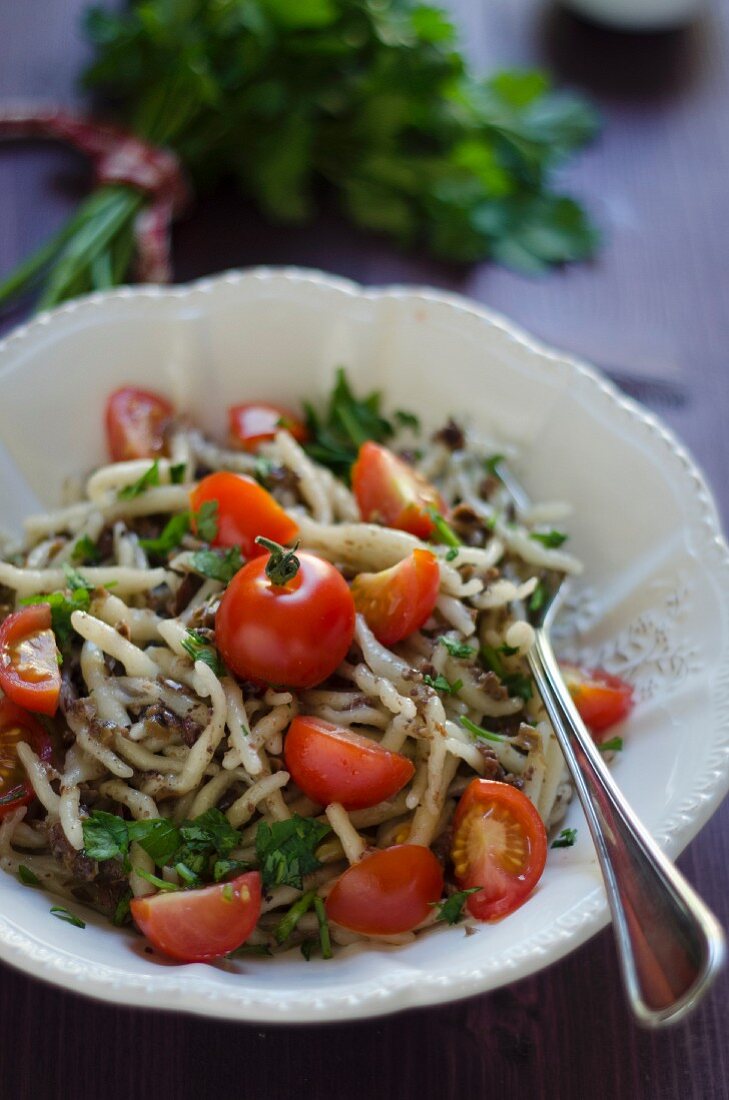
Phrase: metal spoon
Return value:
(670, 945)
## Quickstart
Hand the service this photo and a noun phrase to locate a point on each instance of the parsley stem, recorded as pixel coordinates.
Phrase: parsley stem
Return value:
(445, 532)
(324, 937)
(288, 922)
(478, 731)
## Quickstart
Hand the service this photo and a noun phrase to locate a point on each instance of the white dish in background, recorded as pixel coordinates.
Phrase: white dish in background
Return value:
(654, 602)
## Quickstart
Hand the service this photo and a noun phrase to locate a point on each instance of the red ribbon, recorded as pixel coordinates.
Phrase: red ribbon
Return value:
(117, 156)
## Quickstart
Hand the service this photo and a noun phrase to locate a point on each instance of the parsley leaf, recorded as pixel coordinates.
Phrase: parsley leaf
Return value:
(492, 463)
(442, 683)
(75, 582)
(198, 648)
(148, 479)
(26, 876)
(406, 419)
(443, 530)
(538, 596)
(451, 910)
(159, 837)
(478, 731)
(550, 539)
(565, 839)
(206, 521)
(615, 744)
(336, 437)
(218, 566)
(62, 607)
(224, 867)
(457, 649)
(105, 836)
(66, 915)
(285, 850)
(170, 537)
(122, 913)
(85, 551)
(177, 473)
(213, 830)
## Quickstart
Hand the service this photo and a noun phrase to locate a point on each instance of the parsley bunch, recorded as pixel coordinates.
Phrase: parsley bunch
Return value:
(372, 99)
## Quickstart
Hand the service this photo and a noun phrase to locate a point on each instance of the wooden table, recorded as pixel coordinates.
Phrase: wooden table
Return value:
(653, 310)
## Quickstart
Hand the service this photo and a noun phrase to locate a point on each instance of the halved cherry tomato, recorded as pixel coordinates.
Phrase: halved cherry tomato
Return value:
(602, 699)
(29, 672)
(397, 601)
(388, 892)
(135, 423)
(390, 492)
(17, 725)
(331, 764)
(245, 510)
(292, 631)
(198, 925)
(499, 844)
(251, 425)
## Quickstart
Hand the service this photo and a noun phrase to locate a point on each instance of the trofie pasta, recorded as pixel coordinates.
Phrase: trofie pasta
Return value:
(274, 693)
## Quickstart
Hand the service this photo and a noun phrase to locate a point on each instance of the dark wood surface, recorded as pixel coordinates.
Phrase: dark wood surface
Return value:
(653, 310)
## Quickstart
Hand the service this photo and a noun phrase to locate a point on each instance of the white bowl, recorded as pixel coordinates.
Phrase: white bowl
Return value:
(654, 604)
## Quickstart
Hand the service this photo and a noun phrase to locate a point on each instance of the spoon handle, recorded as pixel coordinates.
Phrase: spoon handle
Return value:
(669, 943)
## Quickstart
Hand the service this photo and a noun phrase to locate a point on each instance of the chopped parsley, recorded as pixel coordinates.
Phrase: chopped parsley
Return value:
(85, 551)
(336, 436)
(444, 532)
(177, 473)
(255, 950)
(451, 910)
(492, 463)
(62, 608)
(288, 922)
(27, 877)
(160, 883)
(122, 913)
(615, 744)
(565, 839)
(478, 731)
(538, 597)
(452, 554)
(198, 648)
(206, 520)
(75, 582)
(442, 683)
(218, 566)
(106, 836)
(285, 850)
(61, 913)
(159, 837)
(406, 419)
(148, 479)
(516, 683)
(457, 649)
(324, 937)
(550, 539)
(170, 537)
(224, 867)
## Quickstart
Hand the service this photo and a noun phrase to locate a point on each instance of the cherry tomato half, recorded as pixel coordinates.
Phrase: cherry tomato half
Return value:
(29, 672)
(198, 925)
(387, 892)
(397, 601)
(295, 633)
(17, 725)
(135, 423)
(602, 699)
(390, 492)
(331, 764)
(245, 511)
(499, 844)
(251, 425)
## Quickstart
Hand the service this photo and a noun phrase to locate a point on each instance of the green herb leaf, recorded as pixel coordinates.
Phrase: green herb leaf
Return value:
(198, 648)
(206, 521)
(336, 437)
(457, 649)
(518, 686)
(492, 463)
(66, 915)
(443, 530)
(478, 731)
(75, 582)
(307, 947)
(211, 829)
(160, 883)
(406, 419)
(452, 554)
(177, 473)
(550, 539)
(254, 950)
(122, 913)
(62, 607)
(224, 867)
(565, 839)
(86, 551)
(442, 683)
(451, 910)
(615, 744)
(218, 566)
(159, 837)
(105, 836)
(538, 597)
(148, 479)
(285, 850)
(27, 877)
(170, 537)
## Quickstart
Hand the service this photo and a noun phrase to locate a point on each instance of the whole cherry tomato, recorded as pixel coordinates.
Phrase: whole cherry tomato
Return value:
(390, 492)
(499, 844)
(29, 672)
(251, 425)
(398, 601)
(331, 764)
(198, 925)
(17, 725)
(602, 699)
(245, 510)
(387, 892)
(135, 423)
(285, 619)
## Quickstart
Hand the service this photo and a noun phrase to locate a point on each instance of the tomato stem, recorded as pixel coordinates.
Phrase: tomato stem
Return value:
(283, 565)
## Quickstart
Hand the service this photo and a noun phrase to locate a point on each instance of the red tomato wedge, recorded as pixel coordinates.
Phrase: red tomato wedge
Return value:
(29, 672)
(602, 699)
(251, 425)
(17, 725)
(245, 510)
(331, 764)
(398, 601)
(295, 633)
(135, 423)
(499, 844)
(387, 892)
(390, 492)
(199, 925)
